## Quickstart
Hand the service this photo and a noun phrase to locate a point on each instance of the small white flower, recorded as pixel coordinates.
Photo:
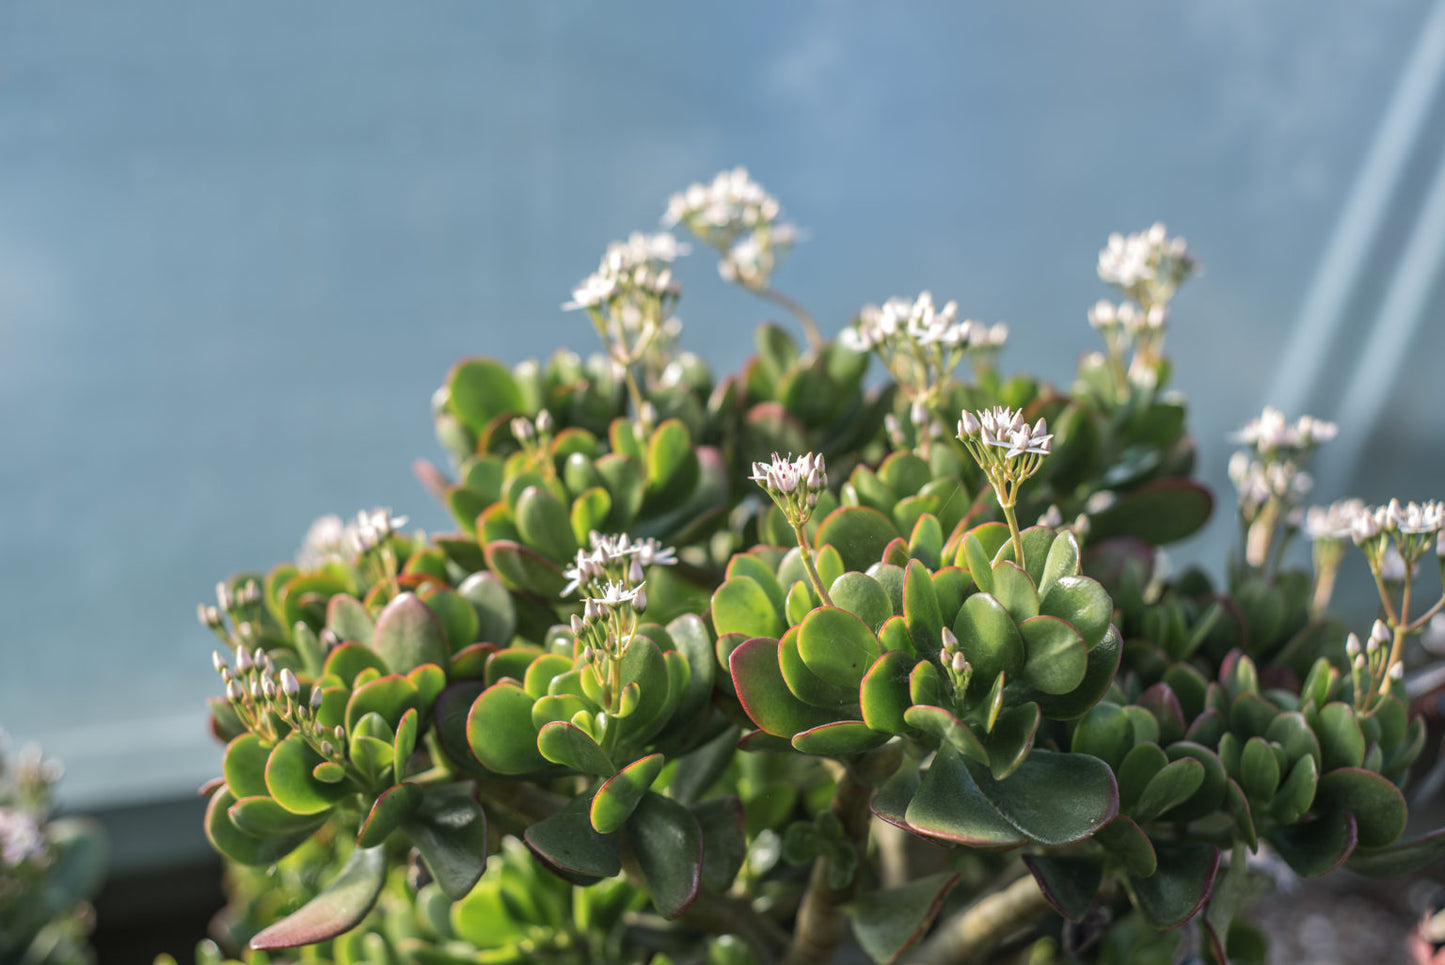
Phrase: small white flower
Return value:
(1333, 521)
(21, 838)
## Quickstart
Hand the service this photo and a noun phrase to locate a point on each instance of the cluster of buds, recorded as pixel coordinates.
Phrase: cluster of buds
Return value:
(255, 691)
(235, 618)
(793, 484)
(1270, 478)
(618, 560)
(955, 666)
(1372, 667)
(921, 343)
(735, 216)
(1148, 266)
(1329, 529)
(533, 435)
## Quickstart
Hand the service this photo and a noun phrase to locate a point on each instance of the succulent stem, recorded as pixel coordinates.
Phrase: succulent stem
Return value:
(807, 553)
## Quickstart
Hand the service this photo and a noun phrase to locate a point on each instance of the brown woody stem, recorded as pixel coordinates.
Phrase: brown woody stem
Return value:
(821, 923)
(968, 935)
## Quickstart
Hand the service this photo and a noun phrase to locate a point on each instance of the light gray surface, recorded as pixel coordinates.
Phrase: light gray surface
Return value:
(240, 243)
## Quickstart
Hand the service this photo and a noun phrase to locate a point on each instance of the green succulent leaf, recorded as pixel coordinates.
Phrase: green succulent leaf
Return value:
(1057, 657)
(567, 843)
(764, 692)
(244, 765)
(239, 846)
(840, 738)
(887, 923)
(500, 732)
(1319, 845)
(858, 533)
(619, 795)
(724, 841)
(563, 742)
(337, 909)
(1068, 883)
(1378, 805)
(1082, 603)
(1398, 860)
(1160, 512)
(884, 692)
(387, 812)
(1178, 889)
(667, 842)
(742, 605)
(989, 639)
(480, 390)
(408, 634)
(449, 829)
(290, 781)
(837, 646)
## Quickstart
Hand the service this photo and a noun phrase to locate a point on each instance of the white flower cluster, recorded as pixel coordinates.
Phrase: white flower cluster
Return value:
(22, 840)
(732, 204)
(1335, 521)
(920, 322)
(330, 540)
(1271, 432)
(793, 484)
(1006, 428)
(638, 266)
(617, 559)
(737, 217)
(1409, 519)
(1107, 317)
(1149, 261)
(1259, 481)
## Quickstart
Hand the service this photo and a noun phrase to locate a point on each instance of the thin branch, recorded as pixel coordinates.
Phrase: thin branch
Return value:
(810, 327)
(968, 935)
(821, 924)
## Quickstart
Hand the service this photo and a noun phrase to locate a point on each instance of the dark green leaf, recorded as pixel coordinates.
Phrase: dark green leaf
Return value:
(450, 830)
(667, 842)
(339, 907)
(888, 923)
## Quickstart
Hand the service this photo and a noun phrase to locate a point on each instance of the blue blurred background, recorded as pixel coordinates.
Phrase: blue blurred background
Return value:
(240, 243)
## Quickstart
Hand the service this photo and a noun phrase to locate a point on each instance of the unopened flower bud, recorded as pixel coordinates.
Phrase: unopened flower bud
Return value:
(224, 599)
(634, 571)
(968, 424)
(918, 414)
(326, 749)
(328, 639)
(255, 688)
(591, 610)
(588, 654)
(234, 692)
(950, 642)
(639, 602)
(1359, 662)
(316, 698)
(243, 660)
(1352, 645)
(340, 732)
(1379, 634)
(1397, 672)
(544, 421)
(290, 686)
(523, 430)
(218, 661)
(959, 663)
(577, 625)
(268, 687)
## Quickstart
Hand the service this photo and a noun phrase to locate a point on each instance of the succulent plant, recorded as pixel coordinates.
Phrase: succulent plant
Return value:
(674, 693)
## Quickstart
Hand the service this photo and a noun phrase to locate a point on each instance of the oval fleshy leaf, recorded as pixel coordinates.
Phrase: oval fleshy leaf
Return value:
(616, 799)
(764, 692)
(667, 842)
(858, 533)
(568, 845)
(481, 389)
(1082, 603)
(883, 695)
(1028, 799)
(837, 646)
(862, 596)
(1178, 889)
(289, 779)
(339, 907)
(1057, 657)
(1378, 805)
(500, 732)
(244, 766)
(387, 812)
(1068, 883)
(1159, 512)
(889, 922)
(989, 639)
(1318, 846)
(1013, 588)
(449, 829)
(408, 634)
(237, 845)
(839, 739)
(948, 805)
(562, 742)
(741, 605)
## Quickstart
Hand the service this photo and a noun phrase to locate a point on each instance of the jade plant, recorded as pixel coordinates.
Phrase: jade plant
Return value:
(747, 670)
(50, 867)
